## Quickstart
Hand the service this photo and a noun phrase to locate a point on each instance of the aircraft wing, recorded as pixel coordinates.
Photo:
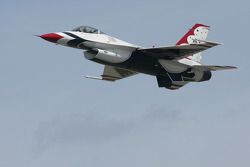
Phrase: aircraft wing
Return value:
(111, 73)
(178, 51)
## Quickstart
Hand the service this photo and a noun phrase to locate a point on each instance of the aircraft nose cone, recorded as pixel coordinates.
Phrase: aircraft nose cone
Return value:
(51, 37)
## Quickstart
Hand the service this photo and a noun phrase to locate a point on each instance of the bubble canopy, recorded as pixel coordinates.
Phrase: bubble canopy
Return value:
(87, 29)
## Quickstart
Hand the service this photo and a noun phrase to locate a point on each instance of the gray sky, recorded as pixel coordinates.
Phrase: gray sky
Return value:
(51, 116)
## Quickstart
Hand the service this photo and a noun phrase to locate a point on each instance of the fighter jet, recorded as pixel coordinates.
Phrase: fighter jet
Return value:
(173, 66)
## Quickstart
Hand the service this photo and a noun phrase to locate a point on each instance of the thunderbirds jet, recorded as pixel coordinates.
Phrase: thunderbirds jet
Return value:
(173, 66)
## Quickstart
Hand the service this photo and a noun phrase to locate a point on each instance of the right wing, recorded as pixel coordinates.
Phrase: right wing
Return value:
(111, 73)
(178, 51)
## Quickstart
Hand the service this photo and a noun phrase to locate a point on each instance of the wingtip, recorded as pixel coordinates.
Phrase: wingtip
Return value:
(234, 67)
(93, 77)
(231, 67)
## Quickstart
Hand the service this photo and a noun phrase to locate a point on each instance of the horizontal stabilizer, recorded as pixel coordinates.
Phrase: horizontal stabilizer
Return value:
(209, 42)
(213, 68)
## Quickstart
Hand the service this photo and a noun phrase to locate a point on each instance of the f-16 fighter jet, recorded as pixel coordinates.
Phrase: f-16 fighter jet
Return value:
(173, 66)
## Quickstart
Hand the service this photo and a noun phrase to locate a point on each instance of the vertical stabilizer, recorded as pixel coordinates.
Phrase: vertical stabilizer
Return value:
(196, 33)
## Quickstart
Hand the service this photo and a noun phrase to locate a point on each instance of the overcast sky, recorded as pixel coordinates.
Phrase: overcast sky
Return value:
(50, 115)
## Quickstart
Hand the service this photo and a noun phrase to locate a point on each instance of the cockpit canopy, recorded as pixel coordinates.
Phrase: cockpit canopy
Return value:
(87, 29)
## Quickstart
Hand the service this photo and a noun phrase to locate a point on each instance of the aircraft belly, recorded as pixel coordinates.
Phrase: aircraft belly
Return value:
(142, 64)
(137, 63)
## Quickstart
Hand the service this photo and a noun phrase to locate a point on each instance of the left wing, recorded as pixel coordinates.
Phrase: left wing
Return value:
(111, 73)
(178, 51)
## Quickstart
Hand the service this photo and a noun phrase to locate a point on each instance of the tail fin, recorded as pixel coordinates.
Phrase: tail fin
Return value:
(196, 33)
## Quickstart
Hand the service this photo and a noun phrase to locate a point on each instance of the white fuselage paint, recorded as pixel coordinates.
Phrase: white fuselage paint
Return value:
(118, 49)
